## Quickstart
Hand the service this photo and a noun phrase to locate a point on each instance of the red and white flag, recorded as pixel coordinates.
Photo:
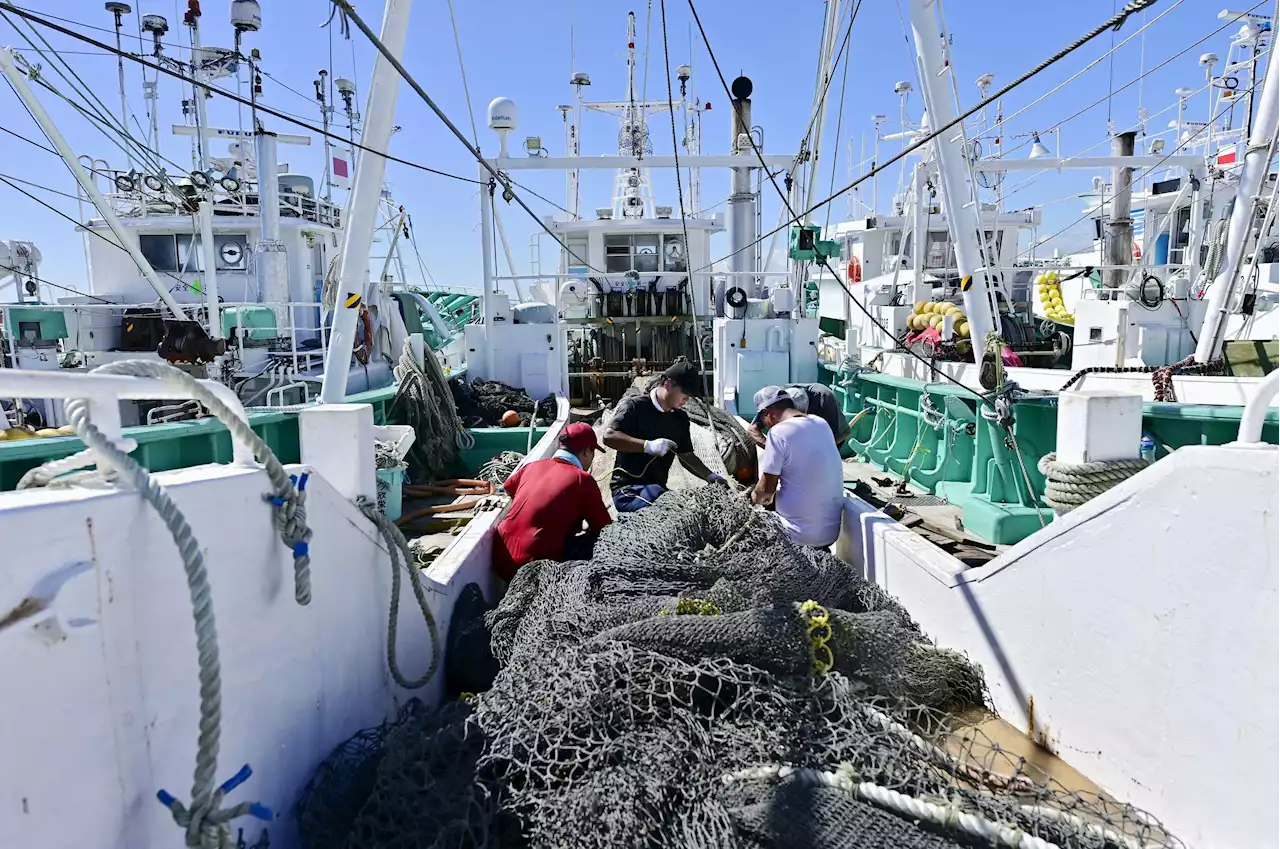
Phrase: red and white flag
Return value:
(340, 168)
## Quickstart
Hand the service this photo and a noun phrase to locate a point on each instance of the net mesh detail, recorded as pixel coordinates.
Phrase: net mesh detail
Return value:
(663, 694)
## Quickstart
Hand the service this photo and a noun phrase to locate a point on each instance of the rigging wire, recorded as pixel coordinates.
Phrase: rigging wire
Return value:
(41, 280)
(1113, 22)
(43, 21)
(1131, 82)
(1090, 212)
(496, 176)
(462, 69)
(844, 80)
(787, 204)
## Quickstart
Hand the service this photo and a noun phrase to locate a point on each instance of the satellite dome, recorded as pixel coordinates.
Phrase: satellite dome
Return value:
(502, 114)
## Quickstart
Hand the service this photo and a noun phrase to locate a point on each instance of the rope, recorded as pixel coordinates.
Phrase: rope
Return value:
(948, 817)
(424, 398)
(497, 470)
(206, 822)
(1068, 485)
(288, 492)
(402, 558)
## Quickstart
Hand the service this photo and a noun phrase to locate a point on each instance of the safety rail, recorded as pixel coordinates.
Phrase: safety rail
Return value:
(1255, 412)
(104, 392)
(143, 202)
(301, 358)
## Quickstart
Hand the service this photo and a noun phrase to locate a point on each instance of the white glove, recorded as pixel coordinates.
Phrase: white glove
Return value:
(658, 447)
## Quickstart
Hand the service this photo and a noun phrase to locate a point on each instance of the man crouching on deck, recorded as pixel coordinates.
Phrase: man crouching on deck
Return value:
(550, 499)
(801, 468)
(649, 431)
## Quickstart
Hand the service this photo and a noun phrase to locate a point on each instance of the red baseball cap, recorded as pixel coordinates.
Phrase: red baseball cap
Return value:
(577, 436)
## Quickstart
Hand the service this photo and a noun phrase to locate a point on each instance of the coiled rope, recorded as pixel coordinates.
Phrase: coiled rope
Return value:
(402, 558)
(1068, 485)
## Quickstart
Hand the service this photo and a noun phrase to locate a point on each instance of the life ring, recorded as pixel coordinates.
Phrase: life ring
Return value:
(365, 348)
(855, 270)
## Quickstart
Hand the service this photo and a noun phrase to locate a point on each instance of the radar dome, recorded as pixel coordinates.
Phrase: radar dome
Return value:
(502, 114)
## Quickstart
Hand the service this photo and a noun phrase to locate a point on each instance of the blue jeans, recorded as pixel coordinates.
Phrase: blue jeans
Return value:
(629, 499)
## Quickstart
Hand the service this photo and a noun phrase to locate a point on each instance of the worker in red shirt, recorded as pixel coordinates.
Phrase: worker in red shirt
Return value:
(550, 501)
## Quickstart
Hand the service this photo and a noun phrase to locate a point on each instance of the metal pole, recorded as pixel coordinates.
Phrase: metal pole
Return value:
(486, 267)
(1119, 250)
(19, 82)
(1257, 158)
(199, 94)
(210, 258)
(120, 10)
(362, 203)
(742, 203)
(824, 73)
(962, 217)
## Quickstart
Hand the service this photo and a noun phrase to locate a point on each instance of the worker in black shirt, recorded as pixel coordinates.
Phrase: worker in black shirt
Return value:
(813, 399)
(648, 431)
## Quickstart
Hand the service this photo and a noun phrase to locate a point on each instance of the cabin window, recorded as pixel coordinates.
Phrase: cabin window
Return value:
(639, 252)
(171, 252)
(577, 255)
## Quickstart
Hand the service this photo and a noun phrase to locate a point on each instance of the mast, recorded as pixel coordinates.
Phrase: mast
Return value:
(962, 216)
(198, 94)
(125, 238)
(825, 71)
(362, 203)
(1253, 171)
(1119, 244)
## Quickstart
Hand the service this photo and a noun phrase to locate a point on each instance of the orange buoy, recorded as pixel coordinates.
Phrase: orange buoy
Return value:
(510, 419)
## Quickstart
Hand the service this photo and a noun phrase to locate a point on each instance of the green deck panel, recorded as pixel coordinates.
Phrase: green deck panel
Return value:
(967, 461)
(179, 445)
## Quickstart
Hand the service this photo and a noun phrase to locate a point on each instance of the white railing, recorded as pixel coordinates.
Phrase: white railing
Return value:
(143, 202)
(105, 392)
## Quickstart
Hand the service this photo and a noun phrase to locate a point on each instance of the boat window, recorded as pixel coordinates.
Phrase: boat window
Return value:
(673, 254)
(160, 251)
(645, 248)
(170, 252)
(578, 253)
(1182, 228)
(636, 252)
(617, 254)
(939, 252)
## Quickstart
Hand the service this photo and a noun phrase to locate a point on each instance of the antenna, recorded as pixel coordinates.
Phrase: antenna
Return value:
(119, 10)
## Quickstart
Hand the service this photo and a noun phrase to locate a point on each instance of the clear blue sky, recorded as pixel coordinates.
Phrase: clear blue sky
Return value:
(521, 50)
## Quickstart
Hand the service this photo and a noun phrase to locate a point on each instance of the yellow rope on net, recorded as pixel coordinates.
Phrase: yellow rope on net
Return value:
(818, 624)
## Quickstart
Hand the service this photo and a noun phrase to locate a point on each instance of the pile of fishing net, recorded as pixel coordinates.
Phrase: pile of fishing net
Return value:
(701, 682)
(481, 403)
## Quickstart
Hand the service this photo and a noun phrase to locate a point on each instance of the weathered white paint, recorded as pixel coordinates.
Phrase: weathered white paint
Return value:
(1098, 425)
(1136, 637)
(102, 706)
(327, 433)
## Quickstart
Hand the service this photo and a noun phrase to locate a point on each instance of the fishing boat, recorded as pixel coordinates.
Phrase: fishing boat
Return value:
(701, 681)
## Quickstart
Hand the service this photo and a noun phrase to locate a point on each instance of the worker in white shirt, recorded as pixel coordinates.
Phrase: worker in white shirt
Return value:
(801, 473)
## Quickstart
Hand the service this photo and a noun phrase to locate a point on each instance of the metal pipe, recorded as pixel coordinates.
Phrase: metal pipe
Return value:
(210, 258)
(506, 249)
(1253, 171)
(962, 216)
(198, 93)
(362, 202)
(1119, 244)
(19, 82)
(1255, 411)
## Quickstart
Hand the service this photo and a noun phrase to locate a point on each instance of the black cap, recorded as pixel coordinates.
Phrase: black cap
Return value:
(685, 375)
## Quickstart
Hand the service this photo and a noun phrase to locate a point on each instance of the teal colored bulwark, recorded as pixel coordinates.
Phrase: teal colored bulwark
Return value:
(177, 445)
(936, 434)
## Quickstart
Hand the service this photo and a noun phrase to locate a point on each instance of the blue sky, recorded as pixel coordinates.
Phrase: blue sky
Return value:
(522, 50)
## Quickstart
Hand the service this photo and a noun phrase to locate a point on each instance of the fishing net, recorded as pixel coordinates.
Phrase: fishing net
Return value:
(481, 403)
(703, 682)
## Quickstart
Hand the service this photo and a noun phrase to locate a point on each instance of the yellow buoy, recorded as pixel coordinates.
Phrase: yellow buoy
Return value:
(48, 431)
(920, 305)
(18, 433)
